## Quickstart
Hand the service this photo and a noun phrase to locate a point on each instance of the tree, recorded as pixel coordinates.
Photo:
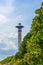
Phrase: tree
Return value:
(35, 44)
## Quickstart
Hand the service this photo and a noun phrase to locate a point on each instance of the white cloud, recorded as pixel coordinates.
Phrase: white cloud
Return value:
(3, 19)
(7, 7)
(18, 19)
(12, 35)
(9, 44)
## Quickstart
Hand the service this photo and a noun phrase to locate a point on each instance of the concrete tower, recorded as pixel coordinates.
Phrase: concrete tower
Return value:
(19, 33)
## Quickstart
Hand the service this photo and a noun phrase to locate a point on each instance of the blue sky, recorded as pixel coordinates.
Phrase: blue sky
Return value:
(13, 12)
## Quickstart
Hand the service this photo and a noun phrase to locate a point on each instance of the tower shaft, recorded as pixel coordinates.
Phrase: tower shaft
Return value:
(19, 37)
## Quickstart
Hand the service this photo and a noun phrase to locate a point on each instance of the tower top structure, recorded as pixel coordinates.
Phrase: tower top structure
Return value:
(19, 26)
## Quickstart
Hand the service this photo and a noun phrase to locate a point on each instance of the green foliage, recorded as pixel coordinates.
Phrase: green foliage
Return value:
(8, 59)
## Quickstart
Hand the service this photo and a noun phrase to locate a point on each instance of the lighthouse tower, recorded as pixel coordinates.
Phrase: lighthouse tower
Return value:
(19, 33)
